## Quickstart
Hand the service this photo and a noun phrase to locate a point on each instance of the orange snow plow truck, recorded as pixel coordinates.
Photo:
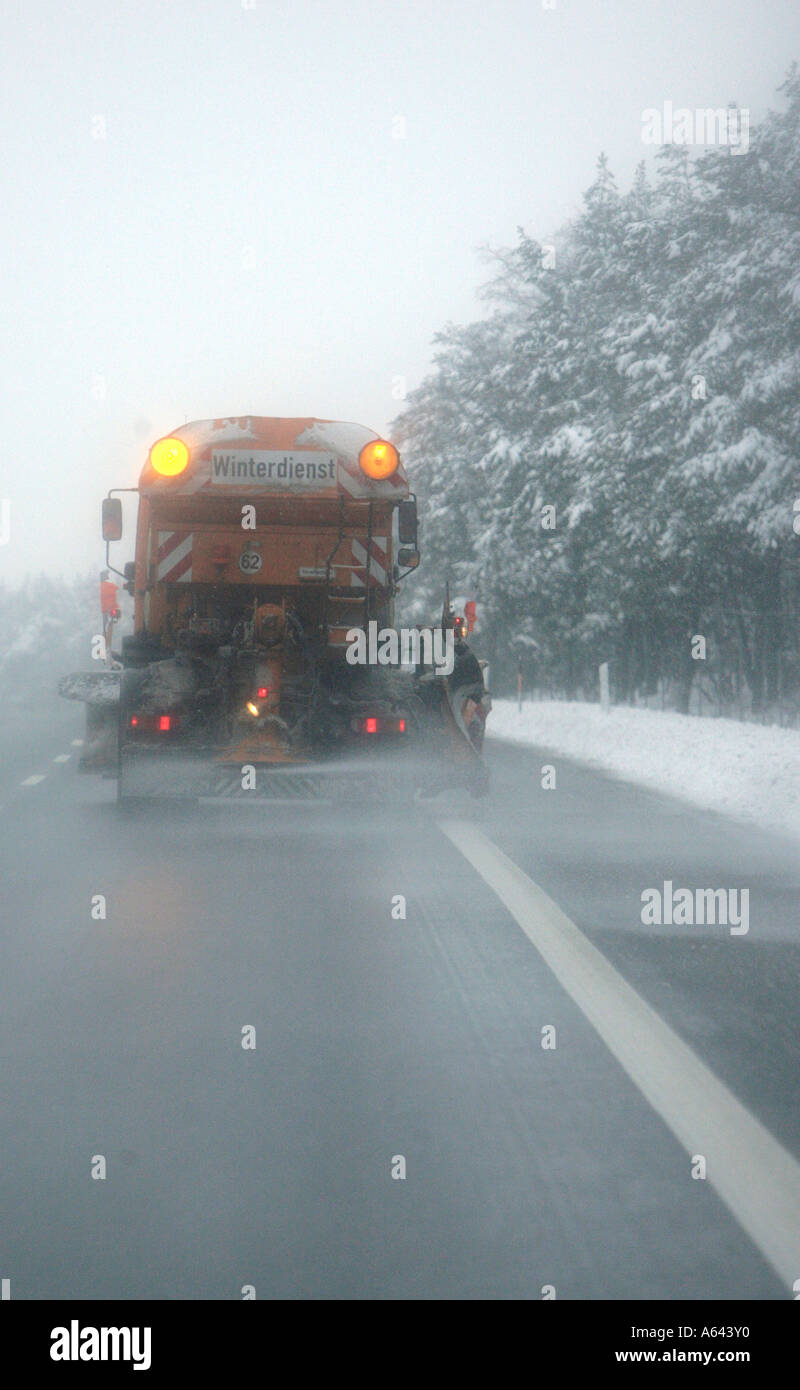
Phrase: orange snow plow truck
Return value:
(264, 662)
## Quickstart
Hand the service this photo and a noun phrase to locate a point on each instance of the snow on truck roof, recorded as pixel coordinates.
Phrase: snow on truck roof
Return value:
(272, 454)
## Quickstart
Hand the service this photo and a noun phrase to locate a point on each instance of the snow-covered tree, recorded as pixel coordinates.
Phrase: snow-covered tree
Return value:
(608, 462)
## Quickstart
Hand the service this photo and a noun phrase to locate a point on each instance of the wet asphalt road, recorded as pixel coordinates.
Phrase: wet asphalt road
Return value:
(376, 1037)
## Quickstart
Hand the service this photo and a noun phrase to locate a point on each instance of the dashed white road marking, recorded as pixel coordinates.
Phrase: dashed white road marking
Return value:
(31, 781)
(62, 758)
(756, 1177)
(77, 743)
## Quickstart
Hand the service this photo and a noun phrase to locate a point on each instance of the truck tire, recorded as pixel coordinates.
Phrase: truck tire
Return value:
(139, 649)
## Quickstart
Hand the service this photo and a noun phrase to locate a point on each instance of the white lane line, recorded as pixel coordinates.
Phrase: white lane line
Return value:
(77, 743)
(757, 1178)
(62, 758)
(31, 781)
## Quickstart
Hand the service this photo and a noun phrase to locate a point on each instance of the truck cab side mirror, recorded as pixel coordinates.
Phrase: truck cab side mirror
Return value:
(112, 519)
(129, 572)
(407, 522)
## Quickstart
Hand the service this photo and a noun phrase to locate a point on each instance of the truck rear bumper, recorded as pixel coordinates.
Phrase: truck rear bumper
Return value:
(179, 775)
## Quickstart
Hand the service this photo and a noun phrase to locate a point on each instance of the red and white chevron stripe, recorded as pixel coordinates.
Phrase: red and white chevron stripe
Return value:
(174, 561)
(378, 561)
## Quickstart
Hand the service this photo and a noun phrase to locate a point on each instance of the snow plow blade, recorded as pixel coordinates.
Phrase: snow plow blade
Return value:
(99, 692)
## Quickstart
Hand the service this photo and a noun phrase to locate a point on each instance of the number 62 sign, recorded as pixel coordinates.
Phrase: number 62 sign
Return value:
(249, 562)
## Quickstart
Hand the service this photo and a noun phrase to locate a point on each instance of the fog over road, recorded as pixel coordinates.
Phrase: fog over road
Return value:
(377, 1037)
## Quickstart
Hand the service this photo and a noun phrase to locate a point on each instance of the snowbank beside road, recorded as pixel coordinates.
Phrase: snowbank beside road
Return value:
(745, 770)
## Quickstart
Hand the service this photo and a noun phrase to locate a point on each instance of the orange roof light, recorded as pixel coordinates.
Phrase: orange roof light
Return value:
(169, 456)
(378, 459)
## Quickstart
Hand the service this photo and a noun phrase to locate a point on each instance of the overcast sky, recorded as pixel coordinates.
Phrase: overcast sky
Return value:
(215, 208)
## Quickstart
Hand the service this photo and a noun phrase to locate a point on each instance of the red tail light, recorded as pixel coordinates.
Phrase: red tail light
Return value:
(145, 725)
(373, 724)
(263, 692)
